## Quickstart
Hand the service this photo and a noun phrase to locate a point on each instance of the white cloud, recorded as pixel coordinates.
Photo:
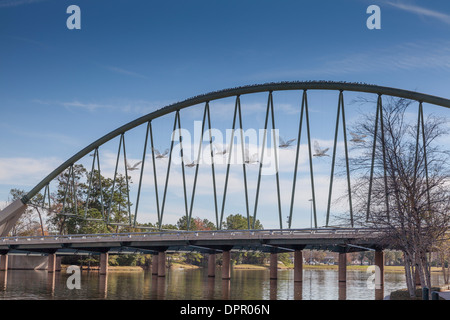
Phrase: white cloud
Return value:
(421, 11)
(25, 172)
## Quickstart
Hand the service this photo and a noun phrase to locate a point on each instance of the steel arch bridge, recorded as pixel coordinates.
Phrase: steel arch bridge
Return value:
(10, 215)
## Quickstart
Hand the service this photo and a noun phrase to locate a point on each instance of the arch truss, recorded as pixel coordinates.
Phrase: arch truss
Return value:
(67, 205)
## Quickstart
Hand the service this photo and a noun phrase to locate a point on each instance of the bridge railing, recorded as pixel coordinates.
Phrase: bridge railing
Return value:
(193, 234)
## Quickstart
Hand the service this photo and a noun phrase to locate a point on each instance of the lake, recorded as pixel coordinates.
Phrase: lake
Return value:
(194, 284)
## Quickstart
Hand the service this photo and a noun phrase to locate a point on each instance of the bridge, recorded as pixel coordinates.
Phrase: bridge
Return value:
(98, 204)
(208, 242)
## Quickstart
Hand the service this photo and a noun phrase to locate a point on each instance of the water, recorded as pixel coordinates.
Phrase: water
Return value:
(194, 284)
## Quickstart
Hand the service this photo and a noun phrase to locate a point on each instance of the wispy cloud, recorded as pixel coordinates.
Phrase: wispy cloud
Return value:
(53, 137)
(125, 72)
(27, 40)
(423, 55)
(91, 107)
(138, 107)
(15, 3)
(88, 106)
(421, 11)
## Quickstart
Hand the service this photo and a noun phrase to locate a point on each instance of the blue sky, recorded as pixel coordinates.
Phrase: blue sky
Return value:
(61, 89)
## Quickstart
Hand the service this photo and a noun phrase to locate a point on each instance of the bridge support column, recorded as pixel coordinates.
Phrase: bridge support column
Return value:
(226, 265)
(51, 262)
(273, 266)
(104, 263)
(298, 266)
(155, 264)
(4, 262)
(212, 265)
(162, 264)
(379, 263)
(342, 264)
(58, 263)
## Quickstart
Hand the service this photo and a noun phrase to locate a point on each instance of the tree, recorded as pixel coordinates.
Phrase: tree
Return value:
(239, 222)
(84, 194)
(443, 250)
(30, 222)
(403, 192)
(196, 224)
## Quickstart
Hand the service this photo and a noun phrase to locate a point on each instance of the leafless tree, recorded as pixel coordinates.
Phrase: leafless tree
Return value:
(401, 181)
(30, 222)
(443, 250)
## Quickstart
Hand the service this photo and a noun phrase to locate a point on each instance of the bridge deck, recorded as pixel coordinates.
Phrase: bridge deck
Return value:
(342, 240)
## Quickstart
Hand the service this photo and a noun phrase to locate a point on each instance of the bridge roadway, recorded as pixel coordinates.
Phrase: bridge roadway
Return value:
(274, 241)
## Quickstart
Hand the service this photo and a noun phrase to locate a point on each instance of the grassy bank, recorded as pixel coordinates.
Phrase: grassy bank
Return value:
(400, 269)
(403, 294)
(110, 268)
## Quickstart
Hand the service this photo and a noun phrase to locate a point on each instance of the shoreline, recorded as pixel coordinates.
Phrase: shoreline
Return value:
(176, 266)
(400, 269)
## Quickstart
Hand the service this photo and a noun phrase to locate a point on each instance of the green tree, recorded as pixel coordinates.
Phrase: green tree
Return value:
(83, 194)
(196, 224)
(239, 222)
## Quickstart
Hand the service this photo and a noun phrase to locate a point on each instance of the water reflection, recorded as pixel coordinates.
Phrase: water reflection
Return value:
(3, 280)
(298, 290)
(51, 283)
(342, 290)
(103, 285)
(196, 285)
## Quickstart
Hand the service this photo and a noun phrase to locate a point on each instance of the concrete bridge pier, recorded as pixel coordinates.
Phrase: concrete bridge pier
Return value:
(212, 265)
(4, 262)
(51, 263)
(273, 266)
(161, 264)
(379, 263)
(298, 266)
(379, 275)
(104, 263)
(58, 263)
(103, 285)
(342, 267)
(3, 279)
(226, 265)
(155, 264)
